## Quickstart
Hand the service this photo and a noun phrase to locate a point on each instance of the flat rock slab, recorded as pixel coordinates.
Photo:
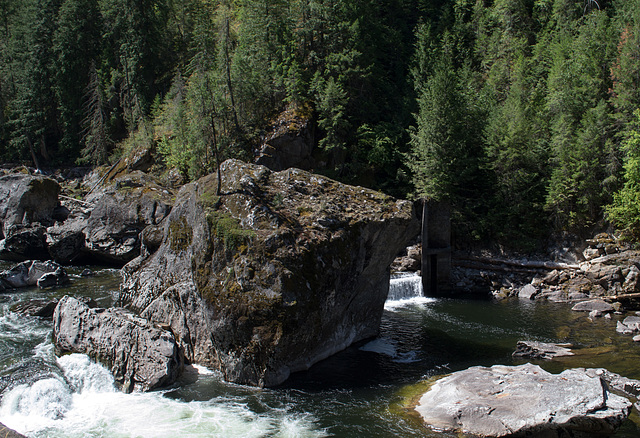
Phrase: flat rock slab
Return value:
(588, 306)
(541, 350)
(522, 401)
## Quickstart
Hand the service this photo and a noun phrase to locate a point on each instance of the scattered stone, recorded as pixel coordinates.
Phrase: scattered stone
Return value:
(632, 280)
(29, 273)
(577, 296)
(86, 273)
(624, 385)
(528, 292)
(623, 329)
(522, 401)
(52, 279)
(617, 306)
(140, 355)
(595, 314)
(592, 253)
(541, 350)
(588, 306)
(636, 338)
(633, 322)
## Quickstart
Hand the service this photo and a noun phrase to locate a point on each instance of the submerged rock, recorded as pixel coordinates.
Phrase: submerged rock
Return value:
(279, 272)
(523, 401)
(42, 308)
(140, 355)
(541, 350)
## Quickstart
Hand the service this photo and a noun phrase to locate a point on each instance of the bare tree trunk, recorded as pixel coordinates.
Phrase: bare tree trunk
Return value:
(227, 62)
(33, 153)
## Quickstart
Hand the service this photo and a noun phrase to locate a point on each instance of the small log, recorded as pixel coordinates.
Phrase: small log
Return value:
(520, 264)
(74, 199)
(622, 297)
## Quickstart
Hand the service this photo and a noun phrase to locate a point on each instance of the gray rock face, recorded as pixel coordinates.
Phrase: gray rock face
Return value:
(110, 230)
(523, 401)
(140, 355)
(281, 271)
(25, 242)
(25, 199)
(27, 205)
(290, 144)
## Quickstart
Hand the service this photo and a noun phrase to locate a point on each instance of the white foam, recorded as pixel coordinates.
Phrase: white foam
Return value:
(48, 408)
(388, 348)
(37, 406)
(381, 346)
(85, 375)
(203, 371)
(392, 305)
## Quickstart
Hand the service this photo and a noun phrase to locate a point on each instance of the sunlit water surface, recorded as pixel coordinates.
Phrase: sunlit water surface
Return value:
(356, 393)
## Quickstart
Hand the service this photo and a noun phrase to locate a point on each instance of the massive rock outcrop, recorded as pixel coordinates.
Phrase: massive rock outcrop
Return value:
(139, 354)
(523, 401)
(278, 272)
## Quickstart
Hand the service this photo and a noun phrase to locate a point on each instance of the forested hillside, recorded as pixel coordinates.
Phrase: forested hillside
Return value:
(519, 112)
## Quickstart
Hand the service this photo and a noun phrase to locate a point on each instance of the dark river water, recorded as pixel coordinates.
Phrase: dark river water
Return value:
(360, 392)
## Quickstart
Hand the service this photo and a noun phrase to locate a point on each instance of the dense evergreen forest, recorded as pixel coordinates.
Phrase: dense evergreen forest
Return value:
(523, 114)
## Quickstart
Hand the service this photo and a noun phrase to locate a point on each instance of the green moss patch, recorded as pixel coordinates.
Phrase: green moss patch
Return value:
(227, 228)
(180, 235)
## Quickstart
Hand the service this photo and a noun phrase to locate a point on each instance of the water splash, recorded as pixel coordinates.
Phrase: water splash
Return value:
(86, 403)
(405, 289)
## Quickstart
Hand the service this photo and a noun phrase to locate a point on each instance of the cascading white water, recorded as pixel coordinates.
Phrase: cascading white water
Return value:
(405, 289)
(86, 403)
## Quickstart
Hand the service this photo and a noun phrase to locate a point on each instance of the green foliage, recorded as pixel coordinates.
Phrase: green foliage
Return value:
(513, 110)
(625, 209)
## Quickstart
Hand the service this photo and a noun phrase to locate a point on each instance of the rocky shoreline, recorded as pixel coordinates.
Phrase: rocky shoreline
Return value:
(231, 280)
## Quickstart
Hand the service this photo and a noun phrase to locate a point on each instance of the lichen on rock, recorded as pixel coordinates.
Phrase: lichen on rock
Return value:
(282, 269)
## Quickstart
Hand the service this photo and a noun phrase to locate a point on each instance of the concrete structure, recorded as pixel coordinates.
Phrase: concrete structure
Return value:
(436, 247)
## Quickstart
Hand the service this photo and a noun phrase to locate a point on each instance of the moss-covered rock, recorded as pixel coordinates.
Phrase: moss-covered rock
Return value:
(279, 271)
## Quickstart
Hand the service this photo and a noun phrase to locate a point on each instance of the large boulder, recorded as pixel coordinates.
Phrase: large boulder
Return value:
(27, 205)
(25, 199)
(280, 271)
(523, 401)
(140, 355)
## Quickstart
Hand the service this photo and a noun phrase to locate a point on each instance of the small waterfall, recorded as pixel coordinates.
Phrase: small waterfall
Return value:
(405, 287)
